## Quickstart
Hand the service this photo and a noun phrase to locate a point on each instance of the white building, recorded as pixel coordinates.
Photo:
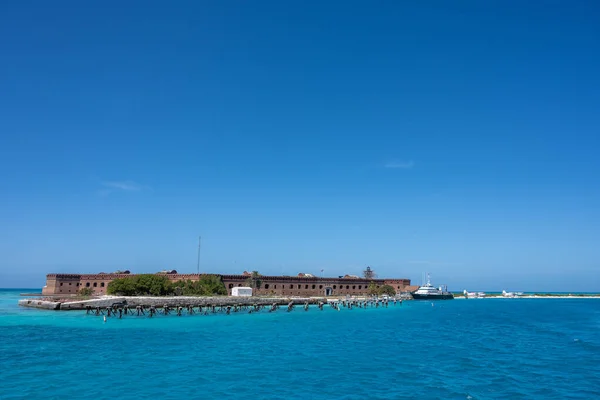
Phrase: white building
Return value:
(241, 291)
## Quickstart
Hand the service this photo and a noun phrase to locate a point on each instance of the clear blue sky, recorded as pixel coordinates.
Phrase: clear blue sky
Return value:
(459, 138)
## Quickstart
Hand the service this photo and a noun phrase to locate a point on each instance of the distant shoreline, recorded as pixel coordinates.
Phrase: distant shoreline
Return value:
(79, 303)
(533, 296)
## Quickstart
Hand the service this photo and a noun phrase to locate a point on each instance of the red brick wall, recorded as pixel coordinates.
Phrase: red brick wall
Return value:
(62, 284)
(399, 285)
(270, 285)
(300, 286)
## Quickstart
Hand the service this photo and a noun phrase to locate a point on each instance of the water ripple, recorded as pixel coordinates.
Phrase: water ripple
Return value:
(527, 349)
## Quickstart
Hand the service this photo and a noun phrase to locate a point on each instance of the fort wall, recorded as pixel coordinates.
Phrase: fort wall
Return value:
(69, 284)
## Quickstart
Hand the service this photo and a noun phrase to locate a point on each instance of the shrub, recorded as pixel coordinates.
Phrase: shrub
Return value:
(212, 284)
(208, 285)
(376, 290)
(160, 285)
(373, 289)
(387, 289)
(140, 285)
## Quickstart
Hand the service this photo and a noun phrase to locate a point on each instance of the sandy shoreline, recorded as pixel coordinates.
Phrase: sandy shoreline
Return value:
(530, 297)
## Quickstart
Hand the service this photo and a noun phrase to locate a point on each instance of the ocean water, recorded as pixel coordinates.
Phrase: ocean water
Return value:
(460, 349)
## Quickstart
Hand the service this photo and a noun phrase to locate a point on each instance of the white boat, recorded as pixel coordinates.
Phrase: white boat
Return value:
(430, 292)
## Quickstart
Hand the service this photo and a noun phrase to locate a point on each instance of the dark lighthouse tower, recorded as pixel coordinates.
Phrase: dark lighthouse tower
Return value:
(369, 273)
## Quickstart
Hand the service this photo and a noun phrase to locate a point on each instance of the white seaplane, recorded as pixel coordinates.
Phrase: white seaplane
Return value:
(473, 295)
(511, 294)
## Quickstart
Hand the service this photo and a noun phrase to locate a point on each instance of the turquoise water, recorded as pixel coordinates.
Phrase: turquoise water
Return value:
(461, 349)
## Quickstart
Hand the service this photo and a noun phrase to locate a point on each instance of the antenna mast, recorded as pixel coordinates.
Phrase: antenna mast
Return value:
(199, 243)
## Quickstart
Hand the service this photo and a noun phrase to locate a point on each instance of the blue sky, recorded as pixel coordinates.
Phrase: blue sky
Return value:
(458, 138)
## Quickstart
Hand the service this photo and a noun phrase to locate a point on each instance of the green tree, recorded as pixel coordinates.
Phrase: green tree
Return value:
(187, 287)
(154, 285)
(212, 285)
(373, 289)
(122, 286)
(160, 285)
(141, 285)
(207, 285)
(387, 289)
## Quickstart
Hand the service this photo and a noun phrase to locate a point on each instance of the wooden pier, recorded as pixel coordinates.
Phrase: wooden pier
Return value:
(153, 306)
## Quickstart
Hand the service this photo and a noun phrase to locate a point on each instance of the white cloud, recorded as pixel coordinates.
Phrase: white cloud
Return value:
(400, 164)
(122, 186)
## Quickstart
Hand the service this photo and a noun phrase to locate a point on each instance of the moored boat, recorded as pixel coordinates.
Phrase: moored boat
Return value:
(430, 292)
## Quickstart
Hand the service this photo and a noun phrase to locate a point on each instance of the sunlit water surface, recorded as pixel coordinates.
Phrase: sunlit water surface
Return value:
(460, 349)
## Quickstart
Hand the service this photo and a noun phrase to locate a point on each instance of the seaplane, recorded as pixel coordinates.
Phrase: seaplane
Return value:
(473, 295)
(511, 294)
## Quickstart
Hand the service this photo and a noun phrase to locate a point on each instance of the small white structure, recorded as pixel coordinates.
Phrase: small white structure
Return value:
(241, 291)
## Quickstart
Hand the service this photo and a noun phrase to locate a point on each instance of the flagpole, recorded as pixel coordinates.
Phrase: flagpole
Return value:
(199, 242)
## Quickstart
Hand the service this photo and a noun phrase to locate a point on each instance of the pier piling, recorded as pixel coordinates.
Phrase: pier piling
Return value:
(151, 307)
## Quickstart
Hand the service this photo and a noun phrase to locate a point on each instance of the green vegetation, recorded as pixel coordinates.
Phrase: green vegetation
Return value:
(85, 292)
(140, 285)
(254, 281)
(387, 289)
(375, 290)
(208, 285)
(160, 285)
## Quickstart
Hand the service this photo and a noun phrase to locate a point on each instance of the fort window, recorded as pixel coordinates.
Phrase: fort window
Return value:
(239, 284)
(347, 286)
(299, 286)
(291, 286)
(334, 286)
(305, 286)
(353, 287)
(313, 286)
(359, 287)
(61, 284)
(69, 283)
(87, 284)
(231, 286)
(101, 284)
(320, 286)
(267, 286)
(398, 287)
(275, 287)
(95, 284)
